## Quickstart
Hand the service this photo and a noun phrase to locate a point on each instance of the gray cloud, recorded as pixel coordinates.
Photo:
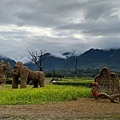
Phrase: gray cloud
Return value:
(58, 26)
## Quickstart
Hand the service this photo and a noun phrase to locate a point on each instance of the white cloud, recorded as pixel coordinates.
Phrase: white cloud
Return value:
(58, 26)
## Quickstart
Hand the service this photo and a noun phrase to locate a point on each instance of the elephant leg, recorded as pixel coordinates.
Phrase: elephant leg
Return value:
(41, 83)
(24, 75)
(23, 82)
(35, 84)
(41, 80)
(15, 82)
(3, 79)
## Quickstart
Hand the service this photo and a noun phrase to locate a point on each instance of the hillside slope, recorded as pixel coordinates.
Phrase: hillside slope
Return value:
(93, 58)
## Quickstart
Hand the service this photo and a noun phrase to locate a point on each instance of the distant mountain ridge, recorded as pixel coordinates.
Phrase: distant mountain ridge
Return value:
(6, 59)
(93, 58)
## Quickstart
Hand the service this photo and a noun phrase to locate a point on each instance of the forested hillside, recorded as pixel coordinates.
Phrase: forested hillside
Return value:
(91, 59)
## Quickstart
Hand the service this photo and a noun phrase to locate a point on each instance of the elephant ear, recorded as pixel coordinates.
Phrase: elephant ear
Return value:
(7, 66)
(24, 70)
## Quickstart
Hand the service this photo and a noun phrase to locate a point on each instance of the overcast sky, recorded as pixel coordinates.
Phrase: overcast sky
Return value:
(58, 26)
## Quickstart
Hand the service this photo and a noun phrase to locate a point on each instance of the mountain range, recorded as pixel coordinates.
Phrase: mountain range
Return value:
(93, 58)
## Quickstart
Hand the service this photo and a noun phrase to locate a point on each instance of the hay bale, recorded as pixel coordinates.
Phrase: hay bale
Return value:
(108, 81)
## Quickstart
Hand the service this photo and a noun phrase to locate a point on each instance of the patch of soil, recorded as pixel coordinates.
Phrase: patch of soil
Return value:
(83, 108)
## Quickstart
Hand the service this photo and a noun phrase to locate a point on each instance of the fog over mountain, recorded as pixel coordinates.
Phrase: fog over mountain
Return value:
(90, 59)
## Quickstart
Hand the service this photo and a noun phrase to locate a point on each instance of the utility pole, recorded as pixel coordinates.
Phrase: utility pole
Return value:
(76, 64)
(53, 74)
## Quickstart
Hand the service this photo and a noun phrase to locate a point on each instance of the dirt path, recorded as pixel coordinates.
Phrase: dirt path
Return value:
(83, 108)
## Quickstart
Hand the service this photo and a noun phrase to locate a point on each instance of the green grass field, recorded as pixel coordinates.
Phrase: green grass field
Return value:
(75, 82)
(49, 93)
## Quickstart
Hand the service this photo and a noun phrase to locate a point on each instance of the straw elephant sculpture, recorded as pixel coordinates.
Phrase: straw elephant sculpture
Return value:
(25, 74)
(3, 68)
